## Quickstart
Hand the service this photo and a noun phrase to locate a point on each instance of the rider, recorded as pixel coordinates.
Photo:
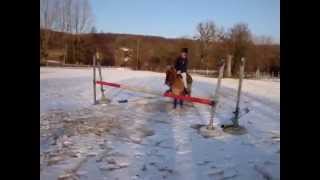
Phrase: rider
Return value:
(181, 65)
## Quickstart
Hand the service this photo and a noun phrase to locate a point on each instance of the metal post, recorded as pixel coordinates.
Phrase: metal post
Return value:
(241, 75)
(103, 97)
(100, 77)
(94, 80)
(216, 94)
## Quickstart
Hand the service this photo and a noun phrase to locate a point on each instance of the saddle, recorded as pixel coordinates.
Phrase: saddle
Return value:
(175, 82)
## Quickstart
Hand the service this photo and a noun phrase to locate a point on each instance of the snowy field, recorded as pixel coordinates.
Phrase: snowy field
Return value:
(146, 138)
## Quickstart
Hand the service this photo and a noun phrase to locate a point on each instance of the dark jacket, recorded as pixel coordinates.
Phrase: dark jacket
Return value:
(181, 65)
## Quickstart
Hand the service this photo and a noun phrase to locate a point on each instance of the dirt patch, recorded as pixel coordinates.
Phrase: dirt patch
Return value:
(235, 130)
(206, 132)
(95, 125)
(263, 172)
(146, 131)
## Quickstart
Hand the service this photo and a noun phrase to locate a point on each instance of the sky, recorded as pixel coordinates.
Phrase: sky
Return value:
(177, 18)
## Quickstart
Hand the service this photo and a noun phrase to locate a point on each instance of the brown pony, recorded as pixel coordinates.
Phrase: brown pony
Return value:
(175, 83)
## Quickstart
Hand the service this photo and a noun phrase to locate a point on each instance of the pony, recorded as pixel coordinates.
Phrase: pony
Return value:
(176, 85)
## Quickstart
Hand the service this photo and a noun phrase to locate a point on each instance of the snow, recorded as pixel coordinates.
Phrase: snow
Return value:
(146, 138)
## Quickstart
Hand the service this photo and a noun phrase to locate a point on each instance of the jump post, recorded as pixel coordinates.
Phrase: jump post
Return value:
(208, 130)
(216, 94)
(235, 128)
(94, 80)
(137, 89)
(236, 119)
(103, 99)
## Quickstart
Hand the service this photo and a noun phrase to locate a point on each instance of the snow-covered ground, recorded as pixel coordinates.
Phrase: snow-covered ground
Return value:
(146, 138)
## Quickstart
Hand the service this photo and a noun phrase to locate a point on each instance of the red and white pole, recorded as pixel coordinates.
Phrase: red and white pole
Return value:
(185, 98)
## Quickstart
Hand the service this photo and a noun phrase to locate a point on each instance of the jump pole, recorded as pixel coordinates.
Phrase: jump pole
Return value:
(148, 91)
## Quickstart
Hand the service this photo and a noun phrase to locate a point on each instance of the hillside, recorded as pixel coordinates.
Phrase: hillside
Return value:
(150, 52)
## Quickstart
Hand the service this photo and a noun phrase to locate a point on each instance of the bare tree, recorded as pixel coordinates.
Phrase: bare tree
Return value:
(83, 21)
(71, 16)
(64, 18)
(48, 12)
(241, 40)
(264, 42)
(67, 18)
(222, 48)
(93, 30)
(206, 36)
(82, 16)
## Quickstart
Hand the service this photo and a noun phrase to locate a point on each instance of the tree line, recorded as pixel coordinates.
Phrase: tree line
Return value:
(67, 27)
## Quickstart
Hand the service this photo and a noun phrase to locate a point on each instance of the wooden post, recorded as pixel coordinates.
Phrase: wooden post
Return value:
(65, 54)
(258, 73)
(94, 81)
(241, 75)
(216, 94)
(221, 70)
(137, 66)
(229, 59)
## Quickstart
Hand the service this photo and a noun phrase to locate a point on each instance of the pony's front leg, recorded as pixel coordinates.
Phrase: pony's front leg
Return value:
(181, 103)
(189, 89)
(169, 90)
(175, 101)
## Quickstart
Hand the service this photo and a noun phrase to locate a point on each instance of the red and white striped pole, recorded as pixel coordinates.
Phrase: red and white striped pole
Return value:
(144, 90)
